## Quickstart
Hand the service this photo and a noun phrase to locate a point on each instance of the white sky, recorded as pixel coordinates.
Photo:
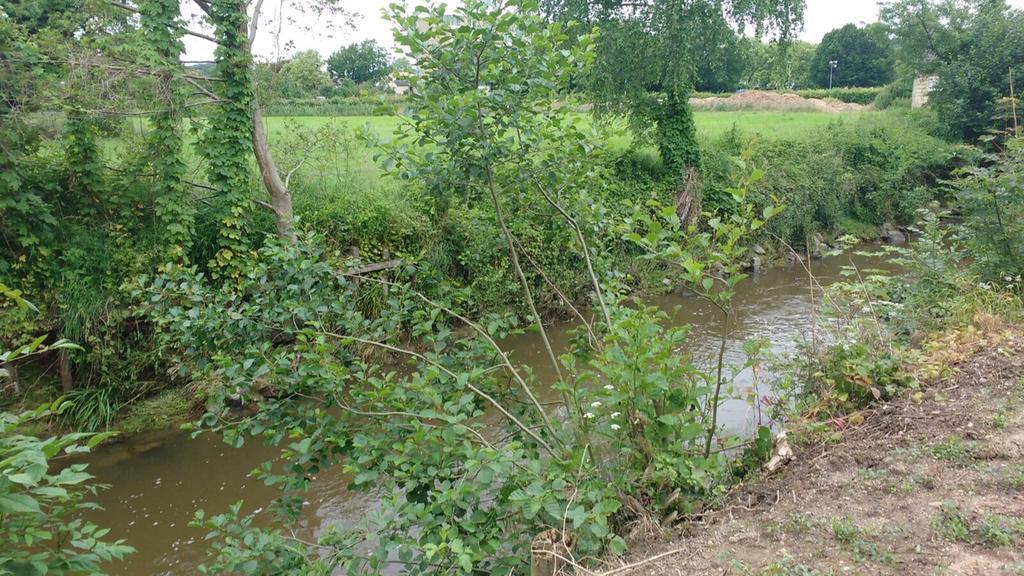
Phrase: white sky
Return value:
(326, 37)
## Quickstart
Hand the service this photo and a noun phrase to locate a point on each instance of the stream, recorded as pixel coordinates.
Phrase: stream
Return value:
(159, 479)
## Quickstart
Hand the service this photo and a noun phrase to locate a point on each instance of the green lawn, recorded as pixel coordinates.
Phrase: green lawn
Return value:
(780, 125)
(334, 167)
(333, 161)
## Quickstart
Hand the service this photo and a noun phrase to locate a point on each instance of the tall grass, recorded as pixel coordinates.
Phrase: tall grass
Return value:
(92, 409)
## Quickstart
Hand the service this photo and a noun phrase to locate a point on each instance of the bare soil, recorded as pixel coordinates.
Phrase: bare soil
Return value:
(773, 101)
(930, 484)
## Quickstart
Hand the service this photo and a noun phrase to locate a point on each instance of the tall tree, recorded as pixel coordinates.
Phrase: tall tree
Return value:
(971, 46)
(303, 76)
(862, 57)
(778, 65)
(651, 53)
(366, 61)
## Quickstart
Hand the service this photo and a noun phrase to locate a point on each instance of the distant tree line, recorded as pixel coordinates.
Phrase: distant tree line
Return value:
(730, 62)
(362, 67)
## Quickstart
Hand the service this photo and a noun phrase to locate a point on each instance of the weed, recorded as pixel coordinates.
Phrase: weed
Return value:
(737, 565)
(845, 530)
(1013, 475)
(872, 474)
(955, 523)
(799, 524)
(90, 409)
(903, 486)
(952, 523)
(856, 540)
(161, 411)
(999, 530)
(795, 524)
(999, 419)
(789, 567)
(954, 449)
(911, 452)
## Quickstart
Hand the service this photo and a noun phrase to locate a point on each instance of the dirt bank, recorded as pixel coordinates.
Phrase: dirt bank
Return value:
(773, 101)
(930, 484)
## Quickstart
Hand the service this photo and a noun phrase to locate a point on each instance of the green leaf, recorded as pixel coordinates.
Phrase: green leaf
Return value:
(50, 491)
(18, 503)
(617, 546)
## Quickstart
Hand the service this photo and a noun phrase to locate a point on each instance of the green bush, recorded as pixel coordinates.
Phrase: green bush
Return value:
(894, 95)
(849, 95)
(880, 168)
(992, 198)
(373, 216)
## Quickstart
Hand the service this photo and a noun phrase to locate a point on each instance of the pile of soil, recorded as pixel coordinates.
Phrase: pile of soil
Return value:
(929, 484)
(774, 101)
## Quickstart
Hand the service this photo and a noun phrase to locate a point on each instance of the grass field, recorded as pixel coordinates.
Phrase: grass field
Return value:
(335, 163)
(283, 130)
(338, 172)
(781, 125)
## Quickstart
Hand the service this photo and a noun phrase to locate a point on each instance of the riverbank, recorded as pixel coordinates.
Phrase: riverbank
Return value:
(931, 482)
(834, 174)
(172, 406)
(175, 406)
(158, 469)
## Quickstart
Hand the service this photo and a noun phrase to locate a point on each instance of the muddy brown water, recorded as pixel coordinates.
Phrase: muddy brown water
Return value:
(158, 480)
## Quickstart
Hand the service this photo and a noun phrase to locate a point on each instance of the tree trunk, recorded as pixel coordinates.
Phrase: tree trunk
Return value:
(280, 197)
(688, 197)
(67, 381)
(12, 375)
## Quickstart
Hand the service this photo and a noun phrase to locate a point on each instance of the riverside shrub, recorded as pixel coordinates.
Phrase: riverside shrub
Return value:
(875, 170)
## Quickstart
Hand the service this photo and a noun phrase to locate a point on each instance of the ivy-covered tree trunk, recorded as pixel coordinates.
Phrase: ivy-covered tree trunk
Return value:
(82, 164)
(159, 20)
(237, 129)
(226, 142)
(676, 132)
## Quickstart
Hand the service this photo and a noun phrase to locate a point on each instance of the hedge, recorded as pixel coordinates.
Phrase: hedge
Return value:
(850, 95)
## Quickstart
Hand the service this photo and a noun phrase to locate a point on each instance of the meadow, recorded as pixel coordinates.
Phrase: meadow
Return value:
(710, 124)
(836, 173)
(332, 155)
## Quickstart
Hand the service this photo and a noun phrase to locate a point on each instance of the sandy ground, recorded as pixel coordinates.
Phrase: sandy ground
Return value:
(930, 484)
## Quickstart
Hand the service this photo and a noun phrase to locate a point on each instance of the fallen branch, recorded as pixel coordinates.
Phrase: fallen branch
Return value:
(643, 562)
(377, 267)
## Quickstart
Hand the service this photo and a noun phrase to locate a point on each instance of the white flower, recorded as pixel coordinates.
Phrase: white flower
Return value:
(616, 426)
(616, 414)
(595, 404)
(588, 415)
(609, 387)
